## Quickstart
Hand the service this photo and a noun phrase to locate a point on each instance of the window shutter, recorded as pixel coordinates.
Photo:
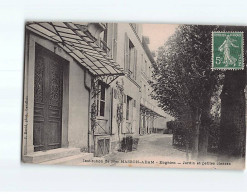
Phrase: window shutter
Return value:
(126, 53)
(134, 103)
(115, 93)
(111, 110)
(135, 63)
(109, 37)
(124, 98)
(114, 47)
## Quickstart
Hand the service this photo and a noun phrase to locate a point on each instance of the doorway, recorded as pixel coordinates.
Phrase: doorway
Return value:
(48, 99)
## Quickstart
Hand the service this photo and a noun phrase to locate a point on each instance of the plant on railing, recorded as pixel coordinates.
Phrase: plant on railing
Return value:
(120, 89)
(93, 116)
(94, 91)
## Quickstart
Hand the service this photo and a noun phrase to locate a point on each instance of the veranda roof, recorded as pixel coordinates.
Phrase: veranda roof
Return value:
(150, 112)
(80, 46)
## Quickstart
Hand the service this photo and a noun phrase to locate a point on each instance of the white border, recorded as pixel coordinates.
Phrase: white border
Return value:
(18, 177)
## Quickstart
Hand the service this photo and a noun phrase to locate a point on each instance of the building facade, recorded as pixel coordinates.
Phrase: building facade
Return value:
(85, 88)
(152, 118)
(141, 115)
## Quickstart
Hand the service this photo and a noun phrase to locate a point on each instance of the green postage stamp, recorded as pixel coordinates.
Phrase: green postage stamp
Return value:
(227, 51)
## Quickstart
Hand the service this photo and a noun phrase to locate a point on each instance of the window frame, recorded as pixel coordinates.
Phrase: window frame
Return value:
(101, 101)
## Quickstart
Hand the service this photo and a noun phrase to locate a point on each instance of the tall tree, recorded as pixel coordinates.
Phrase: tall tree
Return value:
(185, 85)
(233, 121)
(184, 82)
(233, 108)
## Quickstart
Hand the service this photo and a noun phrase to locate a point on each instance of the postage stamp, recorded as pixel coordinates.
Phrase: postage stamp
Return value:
(227, 51)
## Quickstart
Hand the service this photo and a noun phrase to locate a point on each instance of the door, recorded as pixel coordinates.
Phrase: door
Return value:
(48, 95)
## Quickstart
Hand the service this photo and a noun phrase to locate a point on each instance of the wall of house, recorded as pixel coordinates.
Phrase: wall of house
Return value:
(132, 88)
(147, 101)
(75, 97)
(125, 28)
(78, 108)
(136, 89)
(161, 122)
(132, 91)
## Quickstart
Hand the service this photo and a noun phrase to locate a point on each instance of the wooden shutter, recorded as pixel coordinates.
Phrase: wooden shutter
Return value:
(110, 38)
(134, 103)
(124, 98)
(135, 63)
(126, 53)
(132, 60)
(111, 110)
(115, 93)
(114, 47)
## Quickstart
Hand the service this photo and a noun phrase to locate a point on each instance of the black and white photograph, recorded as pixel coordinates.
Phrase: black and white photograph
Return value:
(110, 96)
(136, 95)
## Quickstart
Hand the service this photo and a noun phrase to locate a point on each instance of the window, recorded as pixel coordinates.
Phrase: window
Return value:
(128, 108)
(101, 101)
(108, 40)
(103, 40)
(130, 58)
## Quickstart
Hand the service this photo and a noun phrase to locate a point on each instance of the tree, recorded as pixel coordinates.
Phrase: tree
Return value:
(233, 108)
(184, 82)
(233, 122)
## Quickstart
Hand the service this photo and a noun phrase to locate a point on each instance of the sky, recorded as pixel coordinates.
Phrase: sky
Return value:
(158, 34)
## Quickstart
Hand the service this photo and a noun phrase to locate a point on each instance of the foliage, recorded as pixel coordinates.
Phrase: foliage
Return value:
(184, 79)
(93, 116)
(186, 87)
(120, 90)
(179, 134)
(185, 84)
(94, 92)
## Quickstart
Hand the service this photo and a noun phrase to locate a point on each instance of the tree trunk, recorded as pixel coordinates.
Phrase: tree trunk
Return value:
(203, 143)
(233, 121)
(204, 130)
(196, 127)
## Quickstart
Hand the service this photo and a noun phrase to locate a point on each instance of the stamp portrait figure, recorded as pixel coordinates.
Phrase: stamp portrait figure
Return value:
(225, 48)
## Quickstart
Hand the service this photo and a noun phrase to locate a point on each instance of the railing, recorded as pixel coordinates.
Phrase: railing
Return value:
(101, 127)
(129, 73)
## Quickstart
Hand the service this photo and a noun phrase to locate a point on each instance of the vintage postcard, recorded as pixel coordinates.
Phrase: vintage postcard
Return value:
(134, 95)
